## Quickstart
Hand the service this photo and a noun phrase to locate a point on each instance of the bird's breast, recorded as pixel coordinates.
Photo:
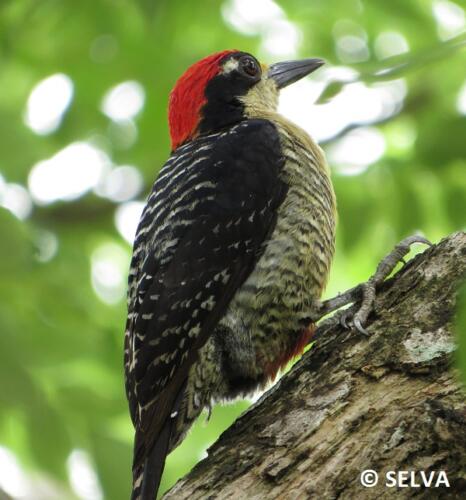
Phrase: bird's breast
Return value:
(294, 267)
(265, 314)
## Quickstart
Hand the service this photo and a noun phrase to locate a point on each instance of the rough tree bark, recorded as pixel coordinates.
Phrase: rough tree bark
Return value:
(387, 402)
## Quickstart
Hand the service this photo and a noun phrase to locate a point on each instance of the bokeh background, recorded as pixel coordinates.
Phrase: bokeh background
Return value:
(83, 133)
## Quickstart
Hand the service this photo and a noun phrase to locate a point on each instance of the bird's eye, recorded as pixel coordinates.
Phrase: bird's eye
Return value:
(249, 66)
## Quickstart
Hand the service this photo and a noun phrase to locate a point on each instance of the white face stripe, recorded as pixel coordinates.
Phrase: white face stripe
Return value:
(229, 66)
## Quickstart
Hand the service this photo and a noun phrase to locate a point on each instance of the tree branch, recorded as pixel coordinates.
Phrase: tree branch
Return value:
(387, 402)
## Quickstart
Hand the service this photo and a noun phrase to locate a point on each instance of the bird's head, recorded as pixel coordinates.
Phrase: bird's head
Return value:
(225, 88)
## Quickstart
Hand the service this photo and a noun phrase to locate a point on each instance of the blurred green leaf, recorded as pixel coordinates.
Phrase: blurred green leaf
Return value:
(461, 331)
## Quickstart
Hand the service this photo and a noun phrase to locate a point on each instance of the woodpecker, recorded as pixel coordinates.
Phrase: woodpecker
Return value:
(231, 255)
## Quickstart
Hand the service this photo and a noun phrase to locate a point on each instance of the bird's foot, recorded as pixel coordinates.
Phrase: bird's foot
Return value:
(384, 269)
(356, 316)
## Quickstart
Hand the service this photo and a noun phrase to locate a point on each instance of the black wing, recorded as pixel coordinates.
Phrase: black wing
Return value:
(211, 209)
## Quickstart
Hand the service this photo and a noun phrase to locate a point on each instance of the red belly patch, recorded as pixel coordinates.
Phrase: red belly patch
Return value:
(295, 349)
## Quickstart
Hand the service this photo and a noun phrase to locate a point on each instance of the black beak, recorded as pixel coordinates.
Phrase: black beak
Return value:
(287, 72)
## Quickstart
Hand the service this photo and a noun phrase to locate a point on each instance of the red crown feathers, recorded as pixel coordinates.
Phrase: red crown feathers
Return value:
(188, 97)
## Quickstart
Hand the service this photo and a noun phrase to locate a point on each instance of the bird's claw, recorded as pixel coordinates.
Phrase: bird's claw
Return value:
(357, 324)
(345, 317)
(384, 269)
(350, 320)
(355, 317)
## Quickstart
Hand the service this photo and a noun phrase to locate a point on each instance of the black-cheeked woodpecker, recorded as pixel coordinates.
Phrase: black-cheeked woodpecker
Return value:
(231, 255)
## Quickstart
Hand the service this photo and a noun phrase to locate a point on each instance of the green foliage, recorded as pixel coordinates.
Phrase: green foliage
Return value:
(461, 331)
(61, 377)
